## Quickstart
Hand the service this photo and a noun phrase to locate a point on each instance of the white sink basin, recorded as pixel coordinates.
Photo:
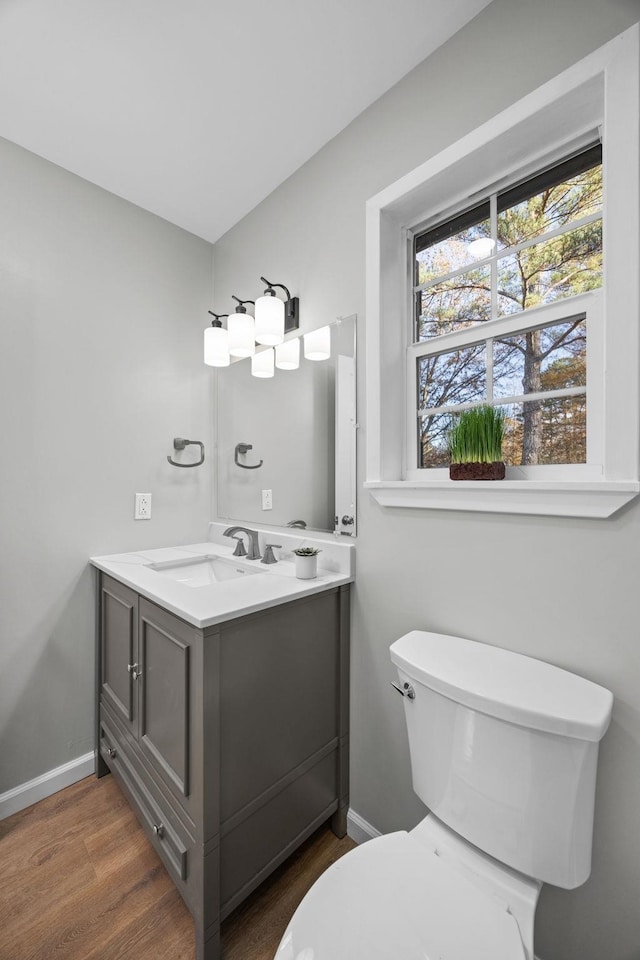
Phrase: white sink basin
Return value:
(201, 571)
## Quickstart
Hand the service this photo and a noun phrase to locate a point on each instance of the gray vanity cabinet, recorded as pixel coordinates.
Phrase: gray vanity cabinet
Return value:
(231, 743)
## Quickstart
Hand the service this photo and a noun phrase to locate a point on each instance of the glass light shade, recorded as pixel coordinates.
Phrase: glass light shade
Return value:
(269, 320)
(481, 248)
(317, 344)
(288, 354)
(216, 347)
(262, 363)
(241, 336)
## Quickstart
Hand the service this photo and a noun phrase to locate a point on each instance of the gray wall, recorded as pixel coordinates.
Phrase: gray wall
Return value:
(102, 308)
(564, 590)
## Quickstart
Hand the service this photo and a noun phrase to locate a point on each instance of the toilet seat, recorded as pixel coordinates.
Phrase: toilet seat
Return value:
(394, 898)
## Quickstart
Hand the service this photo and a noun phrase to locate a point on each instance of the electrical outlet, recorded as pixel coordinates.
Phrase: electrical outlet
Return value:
(143, 507)
(267, 499)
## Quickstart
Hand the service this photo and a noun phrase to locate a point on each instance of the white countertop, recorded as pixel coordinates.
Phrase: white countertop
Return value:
(214, 603)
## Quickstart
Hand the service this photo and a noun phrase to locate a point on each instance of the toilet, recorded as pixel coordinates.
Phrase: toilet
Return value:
(504, 751)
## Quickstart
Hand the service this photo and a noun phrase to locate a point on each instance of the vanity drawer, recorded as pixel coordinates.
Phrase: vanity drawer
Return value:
(168, 837)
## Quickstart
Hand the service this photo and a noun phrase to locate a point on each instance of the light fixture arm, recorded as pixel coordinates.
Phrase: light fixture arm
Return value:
(217, 321)
(270, 291)
(241, 303)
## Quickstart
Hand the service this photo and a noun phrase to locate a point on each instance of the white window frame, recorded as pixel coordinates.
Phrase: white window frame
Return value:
(598, 95)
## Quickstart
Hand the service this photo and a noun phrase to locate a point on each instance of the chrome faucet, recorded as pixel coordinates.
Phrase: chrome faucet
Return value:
(253, 542)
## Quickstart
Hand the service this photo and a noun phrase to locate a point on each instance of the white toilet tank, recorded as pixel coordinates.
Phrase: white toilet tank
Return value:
(504, 750)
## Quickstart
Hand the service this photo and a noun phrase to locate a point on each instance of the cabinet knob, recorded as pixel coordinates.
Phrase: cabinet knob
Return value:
(158, 829)
(134, 670)
(111, 752)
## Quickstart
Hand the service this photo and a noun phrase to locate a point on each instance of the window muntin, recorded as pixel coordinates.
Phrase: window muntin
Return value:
(541, 244)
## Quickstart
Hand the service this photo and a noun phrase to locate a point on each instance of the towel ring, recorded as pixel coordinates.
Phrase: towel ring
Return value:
(180, 444)
(241, 448)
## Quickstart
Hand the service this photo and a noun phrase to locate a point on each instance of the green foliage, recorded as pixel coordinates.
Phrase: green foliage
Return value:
(477, 436)
(306, 551)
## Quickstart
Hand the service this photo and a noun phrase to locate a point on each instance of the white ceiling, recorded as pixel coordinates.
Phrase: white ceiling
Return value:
(197, 109)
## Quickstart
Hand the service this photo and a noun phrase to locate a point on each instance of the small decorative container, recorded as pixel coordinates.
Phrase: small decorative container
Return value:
(306, 562)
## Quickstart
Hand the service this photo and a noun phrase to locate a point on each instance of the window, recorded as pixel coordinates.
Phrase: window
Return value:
(514, 301)
(522, 249)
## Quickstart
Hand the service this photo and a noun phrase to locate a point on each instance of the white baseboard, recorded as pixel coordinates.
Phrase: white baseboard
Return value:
(27, 793)
(358, 828)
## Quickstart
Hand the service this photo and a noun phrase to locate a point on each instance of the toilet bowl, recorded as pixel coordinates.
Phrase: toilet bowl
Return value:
(394, 898)
(503, 752)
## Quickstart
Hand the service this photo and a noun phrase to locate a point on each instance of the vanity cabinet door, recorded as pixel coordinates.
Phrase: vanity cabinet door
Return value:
(118, 666)
(165, 692)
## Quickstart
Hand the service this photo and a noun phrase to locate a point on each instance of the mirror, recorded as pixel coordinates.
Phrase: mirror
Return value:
(290, 441)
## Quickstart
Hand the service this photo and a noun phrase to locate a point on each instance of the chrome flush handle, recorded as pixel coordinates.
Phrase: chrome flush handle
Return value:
(406, 690)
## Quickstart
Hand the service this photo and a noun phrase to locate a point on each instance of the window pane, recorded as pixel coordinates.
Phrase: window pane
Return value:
(453, 252)
(433, 446)
(546, 431)
(554, 358)
(552, 270)
(461, 302)
(452, 378)
(550, 208)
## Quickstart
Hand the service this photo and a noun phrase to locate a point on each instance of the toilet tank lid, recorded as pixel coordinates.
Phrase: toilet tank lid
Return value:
(506, 685)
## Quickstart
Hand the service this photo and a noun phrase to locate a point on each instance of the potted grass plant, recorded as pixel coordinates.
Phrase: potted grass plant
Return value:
(475, 445)
(306, 562)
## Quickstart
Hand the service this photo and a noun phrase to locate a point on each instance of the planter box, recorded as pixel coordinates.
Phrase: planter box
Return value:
(477, 471)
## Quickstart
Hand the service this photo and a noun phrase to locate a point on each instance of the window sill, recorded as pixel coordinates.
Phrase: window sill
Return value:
(596, 499)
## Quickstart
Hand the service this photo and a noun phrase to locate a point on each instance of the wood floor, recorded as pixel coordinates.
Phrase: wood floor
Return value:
(79, 881)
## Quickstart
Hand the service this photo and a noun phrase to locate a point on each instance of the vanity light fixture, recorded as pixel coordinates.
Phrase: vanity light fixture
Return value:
(241, 331)
(216, 342)
(273, 317)
(288, 354)
(262, 363)
(317, 344)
